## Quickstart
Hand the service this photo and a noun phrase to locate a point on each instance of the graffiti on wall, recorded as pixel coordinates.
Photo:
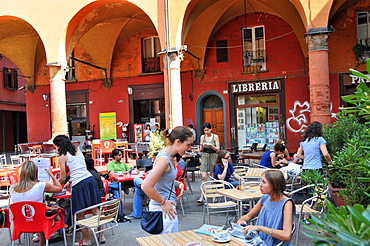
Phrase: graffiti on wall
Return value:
(300, 113)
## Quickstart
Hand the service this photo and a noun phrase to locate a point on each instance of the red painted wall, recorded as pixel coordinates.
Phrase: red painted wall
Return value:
(283, 61)
(11, 96)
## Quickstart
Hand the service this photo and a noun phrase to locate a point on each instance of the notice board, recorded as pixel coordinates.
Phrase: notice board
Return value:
(108, 126)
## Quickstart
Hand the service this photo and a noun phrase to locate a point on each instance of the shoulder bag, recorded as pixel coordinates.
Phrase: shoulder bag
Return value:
(3, 217)
(152, 221)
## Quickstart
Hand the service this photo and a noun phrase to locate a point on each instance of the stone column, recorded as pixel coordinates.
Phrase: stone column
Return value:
(58, 101)
(174, 58)
(317, 40)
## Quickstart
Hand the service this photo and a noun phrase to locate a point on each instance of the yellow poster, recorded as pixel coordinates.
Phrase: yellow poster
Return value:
(108, 128)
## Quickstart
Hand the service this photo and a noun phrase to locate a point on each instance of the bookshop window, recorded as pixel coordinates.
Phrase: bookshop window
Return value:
(257, 120)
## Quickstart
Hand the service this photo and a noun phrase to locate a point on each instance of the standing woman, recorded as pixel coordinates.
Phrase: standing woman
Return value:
(147, 132)
(85, 192)
(313, 147)
(160, 183)
(209, 146)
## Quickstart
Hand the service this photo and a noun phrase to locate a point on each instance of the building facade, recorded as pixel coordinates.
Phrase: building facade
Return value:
(258, 71)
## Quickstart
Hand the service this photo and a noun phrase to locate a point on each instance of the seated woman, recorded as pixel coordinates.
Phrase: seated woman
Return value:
(286, 152)
(30, 189)
(223, 169)
(274, 210)
(274, 158)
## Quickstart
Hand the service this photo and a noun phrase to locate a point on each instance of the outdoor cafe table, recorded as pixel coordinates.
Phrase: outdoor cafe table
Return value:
(127, 177)
(183, 237)
(240, 196)
(255, 173)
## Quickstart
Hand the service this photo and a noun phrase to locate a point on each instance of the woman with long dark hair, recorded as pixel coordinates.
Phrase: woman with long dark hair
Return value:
(160, 183)
(313, 147)
(85, 192)
(223, 168)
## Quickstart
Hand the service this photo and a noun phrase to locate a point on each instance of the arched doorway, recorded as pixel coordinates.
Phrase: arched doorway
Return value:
(213, 113)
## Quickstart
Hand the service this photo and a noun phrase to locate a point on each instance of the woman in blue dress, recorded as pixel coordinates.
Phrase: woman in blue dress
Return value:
(274, 210)
(223, 169)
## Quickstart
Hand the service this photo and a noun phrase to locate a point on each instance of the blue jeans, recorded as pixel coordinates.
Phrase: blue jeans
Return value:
(115, 188)
(137, 205)
(235, 183)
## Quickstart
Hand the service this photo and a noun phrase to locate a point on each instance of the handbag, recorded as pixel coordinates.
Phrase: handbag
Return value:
(2, 217)
(152, 221)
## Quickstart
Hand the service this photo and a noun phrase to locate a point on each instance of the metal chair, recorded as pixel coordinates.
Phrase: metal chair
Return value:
(15, 159)
(236, 160)
(144, 163)
(214, 202)
(48, 150)
(241, 171)
(25, 152)
(305, 209)
(193, 166)
(108, 212)
(2, 160)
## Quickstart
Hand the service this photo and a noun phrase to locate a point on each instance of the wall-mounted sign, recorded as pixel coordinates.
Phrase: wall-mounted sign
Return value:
(262, 86)
(349, 80)
(107, 123)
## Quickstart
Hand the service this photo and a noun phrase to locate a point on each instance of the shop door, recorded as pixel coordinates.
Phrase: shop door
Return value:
(216, 119)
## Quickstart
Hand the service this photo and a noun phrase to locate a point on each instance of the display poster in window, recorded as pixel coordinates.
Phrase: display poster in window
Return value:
(42, 164)
(107, 123)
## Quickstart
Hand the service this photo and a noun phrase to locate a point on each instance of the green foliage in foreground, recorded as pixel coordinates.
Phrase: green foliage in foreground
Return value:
(347, 225)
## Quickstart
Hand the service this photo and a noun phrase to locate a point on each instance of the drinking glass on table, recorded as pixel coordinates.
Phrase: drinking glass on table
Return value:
(242, 185)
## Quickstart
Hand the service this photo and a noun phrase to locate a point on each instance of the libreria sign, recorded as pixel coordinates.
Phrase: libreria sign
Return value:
(256, 86)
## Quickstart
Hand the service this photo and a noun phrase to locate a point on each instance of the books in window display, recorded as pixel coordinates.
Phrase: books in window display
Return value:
(209, 229)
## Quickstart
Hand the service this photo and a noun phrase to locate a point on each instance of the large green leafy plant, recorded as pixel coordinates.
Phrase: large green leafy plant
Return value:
(348, 225)
(348, 142)
(361, 98)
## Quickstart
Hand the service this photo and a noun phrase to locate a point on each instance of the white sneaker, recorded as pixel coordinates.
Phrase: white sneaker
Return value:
(102, 239)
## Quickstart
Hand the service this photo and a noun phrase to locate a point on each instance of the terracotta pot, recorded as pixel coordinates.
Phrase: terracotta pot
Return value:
(338, 201)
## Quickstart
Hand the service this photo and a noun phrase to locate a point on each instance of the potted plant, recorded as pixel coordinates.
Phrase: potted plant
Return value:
(156, 144)
(360, 50)
(344, 226)
(348, 142)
